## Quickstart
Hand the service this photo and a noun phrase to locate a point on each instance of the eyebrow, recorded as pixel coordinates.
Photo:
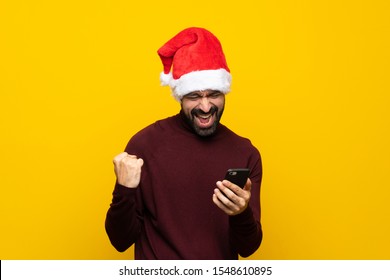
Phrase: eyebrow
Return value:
(199, 93)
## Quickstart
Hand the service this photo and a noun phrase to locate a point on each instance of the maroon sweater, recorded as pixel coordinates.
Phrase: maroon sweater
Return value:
(171, 214)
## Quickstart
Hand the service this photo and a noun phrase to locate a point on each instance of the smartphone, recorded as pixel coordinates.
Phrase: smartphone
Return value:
(237, 176)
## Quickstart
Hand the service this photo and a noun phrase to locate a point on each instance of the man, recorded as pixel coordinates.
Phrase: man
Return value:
(170, 198)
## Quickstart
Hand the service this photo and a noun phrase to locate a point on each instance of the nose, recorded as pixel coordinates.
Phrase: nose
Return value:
(205, 104)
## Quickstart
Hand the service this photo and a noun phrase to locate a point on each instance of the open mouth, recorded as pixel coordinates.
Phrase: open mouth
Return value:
(204, 120)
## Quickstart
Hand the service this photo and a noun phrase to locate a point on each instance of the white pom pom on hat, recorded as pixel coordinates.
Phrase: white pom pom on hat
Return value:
(193, 60)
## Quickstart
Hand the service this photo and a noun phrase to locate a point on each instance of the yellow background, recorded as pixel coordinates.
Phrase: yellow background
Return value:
(310, 89)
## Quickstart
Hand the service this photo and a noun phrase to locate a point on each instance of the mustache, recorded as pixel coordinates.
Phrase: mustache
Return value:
(212, 110)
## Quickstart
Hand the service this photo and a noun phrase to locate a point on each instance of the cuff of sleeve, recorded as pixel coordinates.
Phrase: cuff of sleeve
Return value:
(122, 190)
(244, 217)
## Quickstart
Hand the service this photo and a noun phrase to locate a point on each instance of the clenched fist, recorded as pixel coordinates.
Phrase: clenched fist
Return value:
(128, 169)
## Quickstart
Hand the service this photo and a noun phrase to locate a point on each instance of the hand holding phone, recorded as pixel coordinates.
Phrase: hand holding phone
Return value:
(228, 198)
(237, 176)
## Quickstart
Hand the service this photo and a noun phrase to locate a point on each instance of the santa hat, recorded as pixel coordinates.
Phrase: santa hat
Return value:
(193, 60)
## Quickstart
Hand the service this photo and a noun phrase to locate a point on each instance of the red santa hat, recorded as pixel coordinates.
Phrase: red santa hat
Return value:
(193, 60)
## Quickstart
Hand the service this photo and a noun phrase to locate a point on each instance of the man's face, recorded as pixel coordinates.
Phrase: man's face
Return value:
(203, 110)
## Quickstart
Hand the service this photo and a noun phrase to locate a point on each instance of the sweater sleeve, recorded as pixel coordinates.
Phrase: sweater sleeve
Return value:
(245, 229)
(122, 221)
(245, 233)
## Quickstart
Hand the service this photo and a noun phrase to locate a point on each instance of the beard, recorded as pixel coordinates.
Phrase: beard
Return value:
(208, 131)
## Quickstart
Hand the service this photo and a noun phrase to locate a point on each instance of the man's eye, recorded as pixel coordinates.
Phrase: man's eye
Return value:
(193, 97)
(215, 95)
